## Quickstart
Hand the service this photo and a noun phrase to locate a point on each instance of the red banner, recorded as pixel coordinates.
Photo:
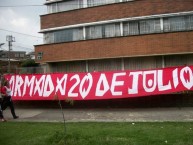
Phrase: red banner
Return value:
(101, 85)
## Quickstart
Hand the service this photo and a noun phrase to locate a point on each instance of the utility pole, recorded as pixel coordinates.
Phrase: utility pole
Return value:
(10, 39)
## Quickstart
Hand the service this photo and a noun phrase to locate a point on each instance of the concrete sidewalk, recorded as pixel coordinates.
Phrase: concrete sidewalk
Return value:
(102, 115)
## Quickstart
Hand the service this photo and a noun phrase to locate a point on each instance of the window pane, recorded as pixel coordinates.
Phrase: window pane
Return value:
(112, 30)
(16, 54)
(131, 28)
(64, 35)
(48, 37)
(21, 55)
(94, 32)
(68, 5)
(65, 6)
(189, 22)
(52, 8)
(150, 26)
(77, 34)
(100, 2)
(174, 24)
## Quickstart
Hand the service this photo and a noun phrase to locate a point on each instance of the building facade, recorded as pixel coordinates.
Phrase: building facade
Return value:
(16, 55)
(12, 57)
(111, 35)
(108, 35)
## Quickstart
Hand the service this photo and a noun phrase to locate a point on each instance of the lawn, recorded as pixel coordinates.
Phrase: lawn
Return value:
(138, 133)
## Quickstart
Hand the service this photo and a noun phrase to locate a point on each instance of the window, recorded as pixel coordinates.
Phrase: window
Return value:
(65, 35)
(103, 31)
(70, 5)
(150, 26)
(131, 28)
(4, 54)
(179, 23)
(111, 30)
(174, 24)
(68, 35)
(100, 2)
(52, 8)
(93, 32)
(40, 55)
(21, 55)
(77, 4)
(77, 34)
(189, 22)
(16, 54)
(64, 6)
(48, 37)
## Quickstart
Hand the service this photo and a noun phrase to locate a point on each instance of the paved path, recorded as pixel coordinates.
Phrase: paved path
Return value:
(102, 115)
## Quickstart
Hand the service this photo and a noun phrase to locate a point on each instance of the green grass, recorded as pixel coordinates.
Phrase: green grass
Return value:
(157, 133)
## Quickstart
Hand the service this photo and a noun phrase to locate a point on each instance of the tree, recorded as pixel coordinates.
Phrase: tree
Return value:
(29, 63)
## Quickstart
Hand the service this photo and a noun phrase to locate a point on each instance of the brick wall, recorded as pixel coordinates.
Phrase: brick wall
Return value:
(142, 45)
(115, 11)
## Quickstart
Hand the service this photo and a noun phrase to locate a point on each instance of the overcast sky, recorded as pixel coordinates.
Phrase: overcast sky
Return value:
(15, 18)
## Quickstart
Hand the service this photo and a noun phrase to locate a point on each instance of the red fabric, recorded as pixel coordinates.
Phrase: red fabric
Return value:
(101, 85)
